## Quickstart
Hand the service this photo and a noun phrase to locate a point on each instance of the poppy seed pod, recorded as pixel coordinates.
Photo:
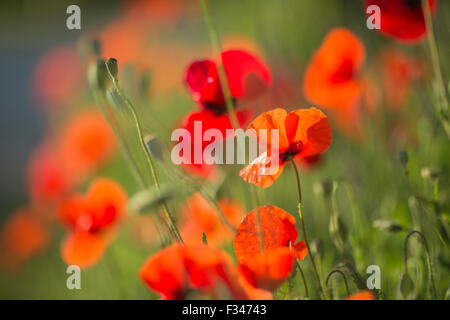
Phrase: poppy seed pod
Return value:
(323, 188)
(154, 146)
(429, 173)
(338, 231)
(403, 158)
(111, 65)
(387, 225)
(406, 287)
(98, 75)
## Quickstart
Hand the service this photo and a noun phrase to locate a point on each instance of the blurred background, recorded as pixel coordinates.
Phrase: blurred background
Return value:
(162, 38)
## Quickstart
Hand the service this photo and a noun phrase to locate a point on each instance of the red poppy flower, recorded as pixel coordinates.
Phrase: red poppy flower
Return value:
(22, 236)
(362, 295)
(86, 142)
(166, 274)
(208, 120)
(302, 133)
(403, 19)
(91, 220)
(47, 180)
(177, 271)
(246, 74)
(57, 75)
(332, 80)
(277, 230)
(269, 269)
(198, 217)
(399, 72)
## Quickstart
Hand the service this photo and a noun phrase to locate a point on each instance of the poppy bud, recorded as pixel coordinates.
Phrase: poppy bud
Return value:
(406, 288)
(338, 231)
(204, 238)
(323, 188)
(144, 85)
(317, 247)
(98, 75)
(149, 199)
(111, 64)
(95, 47)
(429, 173)
(387, 225)
(154, 147)
(403, 158)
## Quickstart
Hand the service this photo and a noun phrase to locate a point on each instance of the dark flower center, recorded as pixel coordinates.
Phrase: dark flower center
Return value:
(294, 148)
(413, 4)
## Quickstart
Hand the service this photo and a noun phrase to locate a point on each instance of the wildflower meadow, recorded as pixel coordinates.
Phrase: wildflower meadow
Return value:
(225, 150)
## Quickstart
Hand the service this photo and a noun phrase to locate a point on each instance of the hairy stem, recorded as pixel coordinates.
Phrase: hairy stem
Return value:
(302, 224)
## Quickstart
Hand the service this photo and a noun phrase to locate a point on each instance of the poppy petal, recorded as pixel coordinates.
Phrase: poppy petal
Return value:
(259, 172)
(311, 128)
(245, 70)
(301, 250)
(362, 295)
(269, 269)
(83, 249)
(203, 82)
(403, 19)
(277, 229)
(106, 200)
(270, 120)
(166, 274)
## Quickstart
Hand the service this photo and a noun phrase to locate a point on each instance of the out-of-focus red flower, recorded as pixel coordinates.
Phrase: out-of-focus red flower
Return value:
(124, 40)
(86, 142)
(177, 271)
(208, 120)
(247, 76)
(277, 230)
(57, 76)
(160, 12)
(302, 133)
(362, 295)
(22, 236)
(270, 268)
(198, 217)
(165, 273)
(332, 78)
(91, 220)
(399, 71)
(47, 180)
(403, 19)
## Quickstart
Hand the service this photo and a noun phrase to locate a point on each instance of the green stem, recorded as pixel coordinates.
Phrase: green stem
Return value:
(443, 101)
(302, 224)
(343, 277)
(429, 265)
(122, 145)
(217, 48)
(147, 154)
(303, 278)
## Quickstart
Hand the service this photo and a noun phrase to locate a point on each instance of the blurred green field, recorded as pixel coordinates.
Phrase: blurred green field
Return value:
(287, 32)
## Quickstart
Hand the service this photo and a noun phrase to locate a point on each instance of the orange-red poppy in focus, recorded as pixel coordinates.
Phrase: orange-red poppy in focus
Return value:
(302, 133)
(265, 248)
